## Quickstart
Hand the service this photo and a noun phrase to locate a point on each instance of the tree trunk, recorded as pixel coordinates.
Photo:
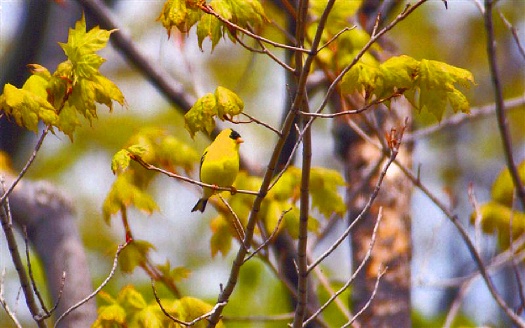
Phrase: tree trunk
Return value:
(390, 306)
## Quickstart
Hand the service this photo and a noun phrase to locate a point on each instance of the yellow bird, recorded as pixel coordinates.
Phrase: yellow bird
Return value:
(219, 164)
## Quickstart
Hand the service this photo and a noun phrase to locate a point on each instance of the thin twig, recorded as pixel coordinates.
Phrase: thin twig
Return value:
(236, 222)
(304, 209)
(365, 209)
(500, 104)
(264, 51)
(33, 282)
(257, 121)
(376, 287)
(209, 10)
(27, 165)
(10, 313)
(7, 226)
(99, 288)
(354, 275)
(514, 34)
(468, 242)
(352, 111)
(166, 313)
(270, 238)
(332, 39)
(260, 318)
(150, 167)
(515, 264)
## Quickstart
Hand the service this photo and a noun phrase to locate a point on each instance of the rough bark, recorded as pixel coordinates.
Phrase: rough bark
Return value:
(392, 250)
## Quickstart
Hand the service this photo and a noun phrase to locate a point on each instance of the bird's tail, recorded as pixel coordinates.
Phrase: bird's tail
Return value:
(201, 205)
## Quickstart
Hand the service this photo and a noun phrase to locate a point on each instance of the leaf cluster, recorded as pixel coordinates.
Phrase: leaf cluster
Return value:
(223, 104)
(498, 214)
(427, 84)
(71, 92)
(183, 14)
(130, 309)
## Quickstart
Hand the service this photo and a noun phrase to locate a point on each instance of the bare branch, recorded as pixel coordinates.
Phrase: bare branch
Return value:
(236, 222)
(376, 287)
(332, 39)
(270, 238)
(26, 166)
(359, 268)
(365, 209)
(10, 313)
(209, 10)
(500, 104)
(33, 282)
(150, 167)
(7, 226)
(514, 34)
(257, 121)
(99, 288)
(181, 322)
(468, 242)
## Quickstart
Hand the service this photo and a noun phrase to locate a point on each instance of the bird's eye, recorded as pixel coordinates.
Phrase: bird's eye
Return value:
(234, 135)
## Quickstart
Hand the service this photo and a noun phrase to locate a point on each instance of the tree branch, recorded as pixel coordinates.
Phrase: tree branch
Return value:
(500, 105)
(48, 216)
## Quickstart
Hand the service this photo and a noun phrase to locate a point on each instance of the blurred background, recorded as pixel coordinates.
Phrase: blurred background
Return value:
(449, 160)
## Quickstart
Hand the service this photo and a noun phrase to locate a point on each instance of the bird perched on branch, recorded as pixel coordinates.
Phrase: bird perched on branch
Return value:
(219, 164)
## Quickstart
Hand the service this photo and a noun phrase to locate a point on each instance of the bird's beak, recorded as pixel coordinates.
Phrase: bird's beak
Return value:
(239, 140)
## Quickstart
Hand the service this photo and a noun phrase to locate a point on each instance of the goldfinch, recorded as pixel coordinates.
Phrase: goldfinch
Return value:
(219, 164)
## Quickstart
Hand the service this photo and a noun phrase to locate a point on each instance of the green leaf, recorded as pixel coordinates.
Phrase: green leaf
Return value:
(81, 47)
(228, 103)
(496, 218)
(124, 193)
(173, 153)
(247, 12)
(134, 255)
(68, 120)
(27, 107)
(323, 188)
(113, 316)
(209, 26)
(106, 91)
(129, 298)
(503, 188)
(436, 83)
(120, 161)
(193, 308)
(201, 114)
(287, 187)
(221, 238)
(180, 14)
(396, 75)
(174, 274)
(149, 317)
(427, 84)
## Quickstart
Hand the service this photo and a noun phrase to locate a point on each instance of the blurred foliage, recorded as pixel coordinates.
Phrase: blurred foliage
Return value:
(499, 214)
(421, 321)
